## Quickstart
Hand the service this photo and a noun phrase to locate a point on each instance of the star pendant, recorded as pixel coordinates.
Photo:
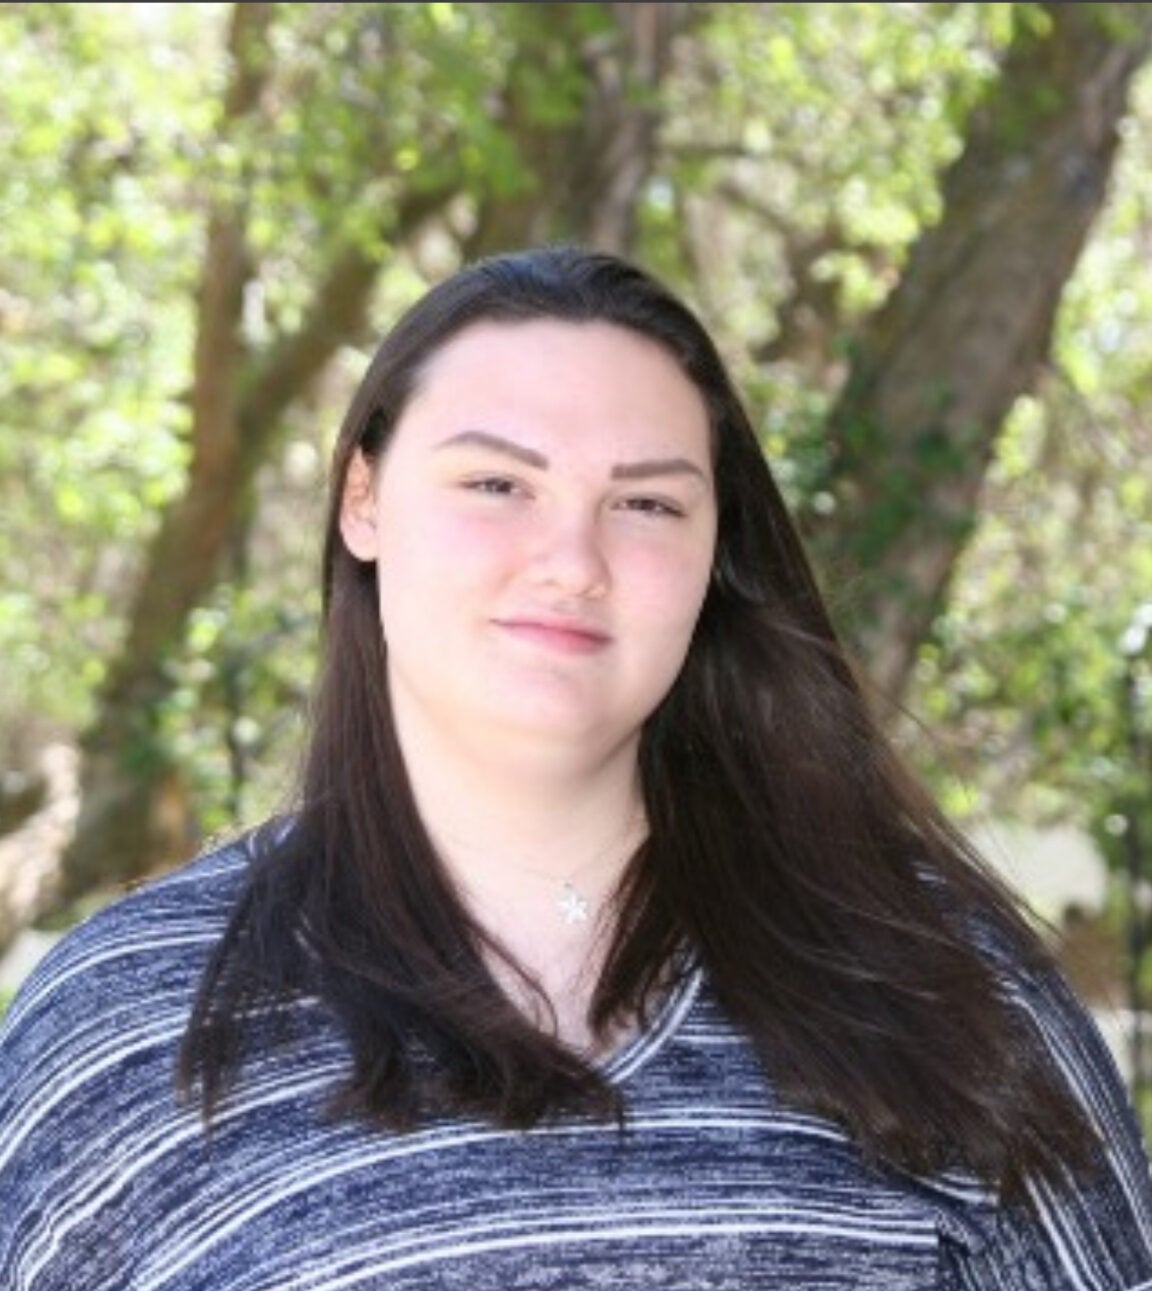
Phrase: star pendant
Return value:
(574, 908)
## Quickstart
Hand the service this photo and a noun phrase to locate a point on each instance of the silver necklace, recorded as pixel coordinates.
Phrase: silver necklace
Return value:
(574, 906)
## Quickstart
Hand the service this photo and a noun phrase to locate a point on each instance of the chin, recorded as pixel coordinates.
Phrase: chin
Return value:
(566, 729)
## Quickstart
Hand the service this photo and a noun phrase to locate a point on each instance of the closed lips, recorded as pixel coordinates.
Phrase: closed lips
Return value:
(558, 632)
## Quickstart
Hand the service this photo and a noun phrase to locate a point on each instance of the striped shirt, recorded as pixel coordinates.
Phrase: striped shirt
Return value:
(107, 1183)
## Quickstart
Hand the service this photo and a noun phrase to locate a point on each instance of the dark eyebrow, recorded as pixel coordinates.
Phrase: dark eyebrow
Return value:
(499, 444)
(660, 466)
(529, 456)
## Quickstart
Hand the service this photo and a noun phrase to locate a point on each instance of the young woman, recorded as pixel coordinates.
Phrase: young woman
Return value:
(608, 945)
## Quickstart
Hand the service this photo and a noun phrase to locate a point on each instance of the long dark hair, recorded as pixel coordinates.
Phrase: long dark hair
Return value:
(841, 920)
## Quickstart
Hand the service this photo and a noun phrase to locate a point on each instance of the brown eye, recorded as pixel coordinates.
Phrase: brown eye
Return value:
(646, 505)
(498, 485)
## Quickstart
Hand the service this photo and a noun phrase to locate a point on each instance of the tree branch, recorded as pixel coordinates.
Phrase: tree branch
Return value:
(588, 173)
(938, 368)
(161, 598)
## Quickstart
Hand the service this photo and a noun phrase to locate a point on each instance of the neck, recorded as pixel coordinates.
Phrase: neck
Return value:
(536, 847)
(496, 827)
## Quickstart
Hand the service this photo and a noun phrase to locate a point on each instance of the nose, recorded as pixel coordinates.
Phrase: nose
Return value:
(570, 557)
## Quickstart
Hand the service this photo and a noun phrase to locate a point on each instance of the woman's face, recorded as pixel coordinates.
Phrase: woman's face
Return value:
(543, 522)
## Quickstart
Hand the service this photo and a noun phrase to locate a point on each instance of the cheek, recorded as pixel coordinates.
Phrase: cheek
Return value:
(668, 589)
(433, 564)
(665, 615)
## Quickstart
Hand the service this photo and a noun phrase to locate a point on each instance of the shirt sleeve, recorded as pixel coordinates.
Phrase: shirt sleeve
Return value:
(1093, 1235)
(86, 1079)
(53, 1147)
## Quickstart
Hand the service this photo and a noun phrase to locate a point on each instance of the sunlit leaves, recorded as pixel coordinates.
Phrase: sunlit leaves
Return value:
(96, 267)
(800, 149)
(829, 124)
(1027, 669)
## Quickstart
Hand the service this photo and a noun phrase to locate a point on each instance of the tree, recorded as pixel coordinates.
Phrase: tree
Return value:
(937, 369)
(776, 162)
(133, 809)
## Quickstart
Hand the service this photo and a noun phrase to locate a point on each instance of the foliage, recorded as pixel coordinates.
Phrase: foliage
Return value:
(96, 267)
(799, 154)
(1027, 667)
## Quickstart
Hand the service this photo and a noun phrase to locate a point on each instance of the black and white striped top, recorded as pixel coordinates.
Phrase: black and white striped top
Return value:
(107, 1184)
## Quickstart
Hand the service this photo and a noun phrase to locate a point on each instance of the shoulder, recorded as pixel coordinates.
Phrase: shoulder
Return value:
(114, 994)
(1094, 1229)
(156, 938)
(86, 1068)
(1054, 1021)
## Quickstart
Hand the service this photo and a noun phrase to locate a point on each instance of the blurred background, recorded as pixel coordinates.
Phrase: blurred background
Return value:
(921, 233)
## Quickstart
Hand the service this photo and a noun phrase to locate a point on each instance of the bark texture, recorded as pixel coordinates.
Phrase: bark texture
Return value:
(585, 172)
(969, 325)
(135, 813)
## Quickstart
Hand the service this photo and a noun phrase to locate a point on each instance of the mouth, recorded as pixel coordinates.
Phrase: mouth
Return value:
(561, 636)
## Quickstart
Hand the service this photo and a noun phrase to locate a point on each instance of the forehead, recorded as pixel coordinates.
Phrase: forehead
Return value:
(543, 373)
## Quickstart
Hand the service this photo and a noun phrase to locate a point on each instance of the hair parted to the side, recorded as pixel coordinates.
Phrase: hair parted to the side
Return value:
(840, 918)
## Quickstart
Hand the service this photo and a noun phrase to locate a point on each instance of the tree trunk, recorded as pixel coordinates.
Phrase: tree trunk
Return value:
(135, 811)
(134, 806)
(967, 328)
(586, 174)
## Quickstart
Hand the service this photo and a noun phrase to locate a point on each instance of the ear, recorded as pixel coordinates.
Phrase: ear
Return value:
(358, 508)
